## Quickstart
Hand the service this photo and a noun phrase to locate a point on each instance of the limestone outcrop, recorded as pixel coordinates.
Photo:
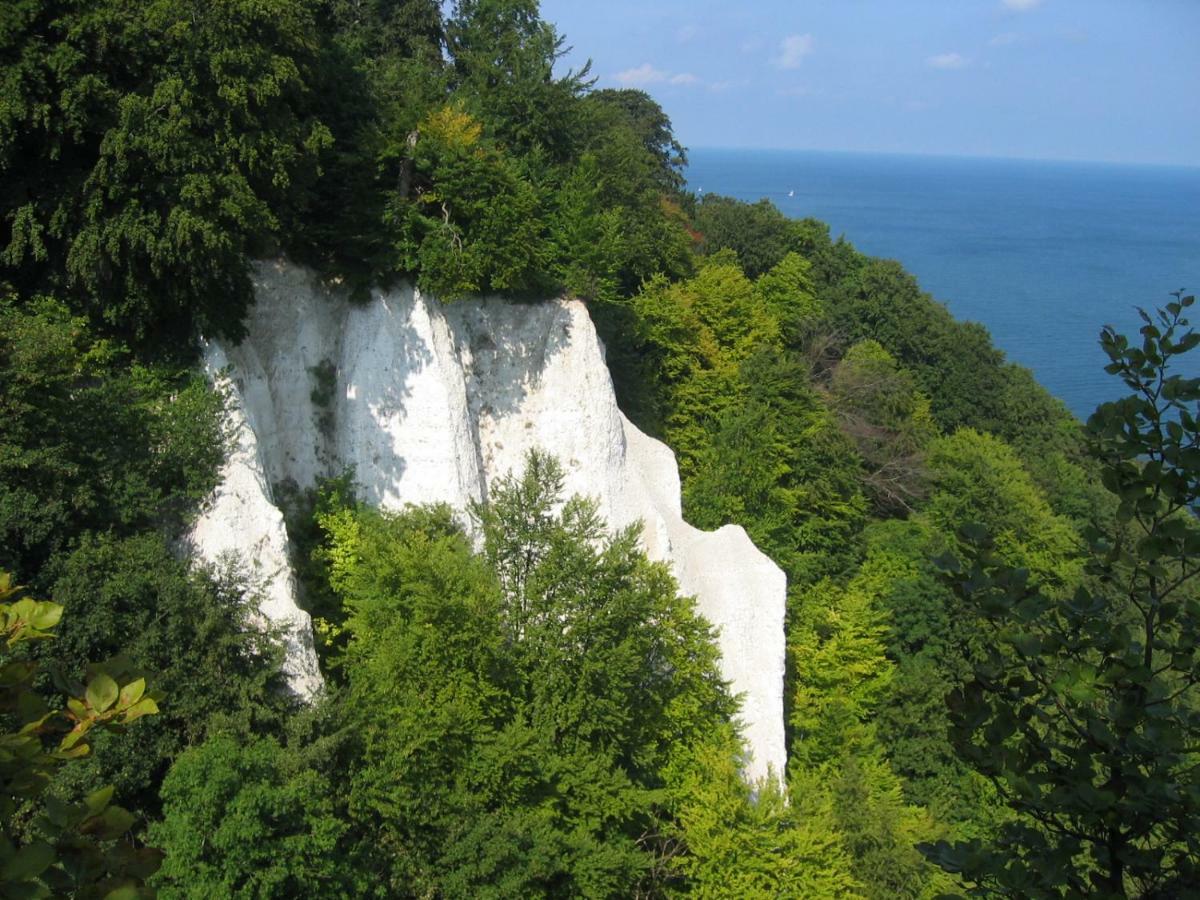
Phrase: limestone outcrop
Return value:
(432, 403)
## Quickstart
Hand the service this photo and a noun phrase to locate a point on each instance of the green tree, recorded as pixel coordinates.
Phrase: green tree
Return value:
(776, 463)
(742, 842)
(787, 290)
(758, 233)
(979, 478)
(888, 417)
(473, 221)
(92, 440)
(699, 332)
(618, 217)
(579, 616)
(650, 125)
(147, 150)
(516, 713)
(1084, 712)
(196, 634)
(841, 678)
(503, 54)
(248, 821)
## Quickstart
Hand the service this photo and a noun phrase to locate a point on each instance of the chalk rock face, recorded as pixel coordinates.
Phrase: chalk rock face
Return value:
(241, 526)
(433, 403)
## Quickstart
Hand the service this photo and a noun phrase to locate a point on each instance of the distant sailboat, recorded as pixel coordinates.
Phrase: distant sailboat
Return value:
(791, 193)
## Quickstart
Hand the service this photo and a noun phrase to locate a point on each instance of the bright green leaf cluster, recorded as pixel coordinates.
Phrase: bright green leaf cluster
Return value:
(80, 848)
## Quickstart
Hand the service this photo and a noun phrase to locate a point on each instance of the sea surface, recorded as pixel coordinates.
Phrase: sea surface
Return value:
(1042, 253)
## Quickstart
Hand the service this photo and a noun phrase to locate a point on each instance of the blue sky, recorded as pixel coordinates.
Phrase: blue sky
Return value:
(1111, 80)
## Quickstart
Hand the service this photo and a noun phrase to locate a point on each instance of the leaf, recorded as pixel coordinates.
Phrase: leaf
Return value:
(60, 813)
(72, 739)
(97, 801)
(46, 615)
(24, 609)
(31, 707)
(144, 707)
(137, 862)
(102, 692)
(132, 692)
(29, 862)
(73, 752)
(114, 822)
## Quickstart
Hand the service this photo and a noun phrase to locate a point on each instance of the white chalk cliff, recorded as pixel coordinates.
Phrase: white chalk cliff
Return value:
(432, 403)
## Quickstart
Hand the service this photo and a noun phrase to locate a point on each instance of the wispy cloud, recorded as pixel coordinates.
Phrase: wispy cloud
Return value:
(793, 49)
(641, 75)
(948, 61)
(1022, 5)
(646, 74)
(687, 33)
(1005, 38)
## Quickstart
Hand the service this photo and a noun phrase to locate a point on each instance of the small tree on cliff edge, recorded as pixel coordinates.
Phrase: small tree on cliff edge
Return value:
(1086, 712)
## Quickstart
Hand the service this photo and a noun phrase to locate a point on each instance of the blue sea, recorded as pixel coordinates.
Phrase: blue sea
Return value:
(1042, 253)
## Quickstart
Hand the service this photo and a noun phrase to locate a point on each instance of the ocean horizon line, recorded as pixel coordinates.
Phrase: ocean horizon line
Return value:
(963, 157)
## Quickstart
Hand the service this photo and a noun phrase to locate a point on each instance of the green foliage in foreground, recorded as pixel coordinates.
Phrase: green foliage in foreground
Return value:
(48, 846)
(198, 636)
(102, 460)
(1085, 710)
(515, 672)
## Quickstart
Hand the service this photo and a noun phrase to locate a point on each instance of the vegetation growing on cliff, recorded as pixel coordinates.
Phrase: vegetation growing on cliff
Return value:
(544, 718)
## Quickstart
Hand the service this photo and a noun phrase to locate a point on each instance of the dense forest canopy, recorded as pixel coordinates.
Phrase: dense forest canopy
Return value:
(1010, 710)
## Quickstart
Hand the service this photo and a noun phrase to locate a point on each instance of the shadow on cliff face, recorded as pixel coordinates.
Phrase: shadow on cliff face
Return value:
(384, 349)
(504, 348)
(325, 376)
(336, 380)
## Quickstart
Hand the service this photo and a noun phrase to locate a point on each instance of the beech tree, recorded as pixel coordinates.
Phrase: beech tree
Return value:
(1085, 710)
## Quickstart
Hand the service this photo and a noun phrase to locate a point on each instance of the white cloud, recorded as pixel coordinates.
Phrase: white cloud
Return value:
(640, 75)
(948, 61)
(793, 49)
(646, 74)
(687, 33)
(1022, 5)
